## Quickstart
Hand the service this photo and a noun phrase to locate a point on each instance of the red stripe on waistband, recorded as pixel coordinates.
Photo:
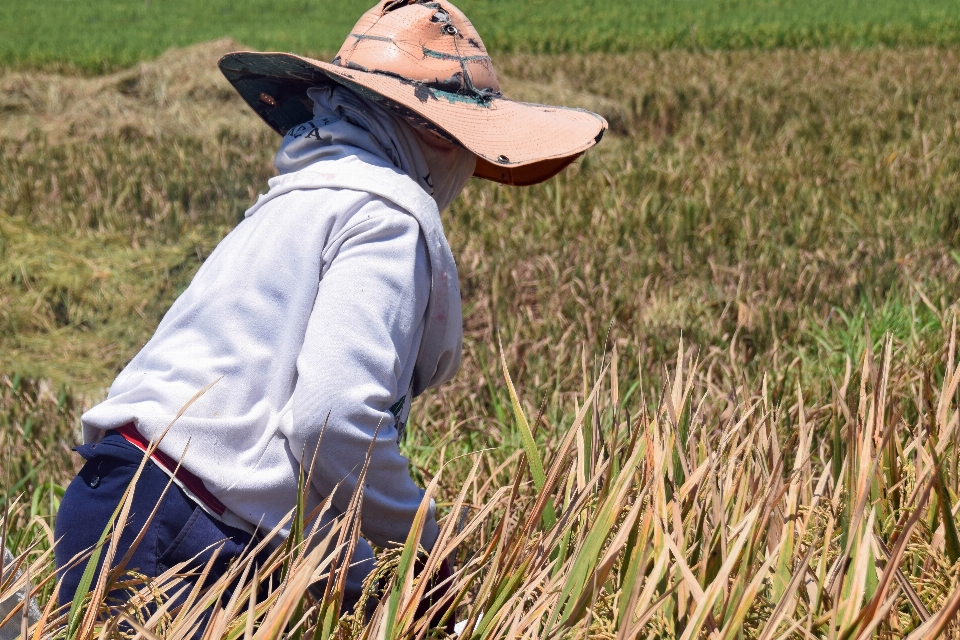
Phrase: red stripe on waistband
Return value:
(191, 482)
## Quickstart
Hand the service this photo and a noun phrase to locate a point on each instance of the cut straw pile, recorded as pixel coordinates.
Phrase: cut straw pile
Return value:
(700, 512)
(182, 91)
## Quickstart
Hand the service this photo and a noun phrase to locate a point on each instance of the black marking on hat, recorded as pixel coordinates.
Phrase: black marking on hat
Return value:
(356, 67)
(453, 84)
(423, 93)
(363, 36)
(440, 55)
(393, 5)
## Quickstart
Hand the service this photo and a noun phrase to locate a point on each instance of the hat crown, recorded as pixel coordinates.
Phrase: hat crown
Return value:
(429, 42)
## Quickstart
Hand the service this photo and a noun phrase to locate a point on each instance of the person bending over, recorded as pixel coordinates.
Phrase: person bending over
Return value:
(331, 306)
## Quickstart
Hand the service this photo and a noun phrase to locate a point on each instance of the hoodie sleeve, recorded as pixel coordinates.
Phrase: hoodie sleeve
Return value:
(359, 351)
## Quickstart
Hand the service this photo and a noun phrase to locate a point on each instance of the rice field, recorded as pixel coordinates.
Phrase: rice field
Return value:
(101, 35)
(710, 385)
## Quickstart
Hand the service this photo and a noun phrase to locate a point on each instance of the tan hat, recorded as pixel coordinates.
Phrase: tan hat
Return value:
(424, 60)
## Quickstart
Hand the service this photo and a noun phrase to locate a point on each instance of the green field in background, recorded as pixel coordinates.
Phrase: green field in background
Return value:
(108, 33)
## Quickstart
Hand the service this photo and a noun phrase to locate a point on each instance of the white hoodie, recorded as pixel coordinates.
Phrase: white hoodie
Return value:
(333, 303)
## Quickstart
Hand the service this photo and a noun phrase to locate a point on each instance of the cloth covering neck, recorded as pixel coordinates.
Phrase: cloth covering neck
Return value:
(342, 118)
(339, 165)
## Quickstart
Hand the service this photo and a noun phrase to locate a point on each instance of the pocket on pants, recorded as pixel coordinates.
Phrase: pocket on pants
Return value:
(200, 538)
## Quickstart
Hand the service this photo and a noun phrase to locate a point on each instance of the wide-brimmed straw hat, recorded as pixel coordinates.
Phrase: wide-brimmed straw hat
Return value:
(424, 60)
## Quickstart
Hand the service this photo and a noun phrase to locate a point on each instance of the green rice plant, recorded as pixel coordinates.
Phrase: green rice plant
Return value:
(97, 36)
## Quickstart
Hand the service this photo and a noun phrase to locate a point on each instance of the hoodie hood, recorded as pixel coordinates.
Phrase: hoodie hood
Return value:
(348, 167)
(342, 119)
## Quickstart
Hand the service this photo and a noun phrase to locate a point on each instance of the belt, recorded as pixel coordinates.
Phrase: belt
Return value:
(184, 478)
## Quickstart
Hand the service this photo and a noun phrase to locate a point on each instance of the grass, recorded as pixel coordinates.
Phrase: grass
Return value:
(106, 34)
(791, 218)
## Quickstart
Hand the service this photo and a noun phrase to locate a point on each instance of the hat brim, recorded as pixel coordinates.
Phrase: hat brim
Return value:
(516, 143)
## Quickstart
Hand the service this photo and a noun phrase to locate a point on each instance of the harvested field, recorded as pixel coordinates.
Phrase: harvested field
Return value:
(767, 245)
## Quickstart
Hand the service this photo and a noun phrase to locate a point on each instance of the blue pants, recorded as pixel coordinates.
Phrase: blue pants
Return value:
(179, 532)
